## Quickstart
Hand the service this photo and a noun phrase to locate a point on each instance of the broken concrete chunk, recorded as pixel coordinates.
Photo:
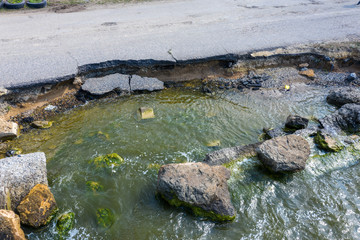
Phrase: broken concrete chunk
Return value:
(103, 85)
(138, 83)
(8, 130)
(146, 113)
(18, 175)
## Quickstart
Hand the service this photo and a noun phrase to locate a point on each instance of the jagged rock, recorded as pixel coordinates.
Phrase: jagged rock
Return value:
(227, 155)
(284, 154)
(347, 118)
(10, 226)
(103, 85)
(273, 132)
(18, 175)
(146, 113)
(38, 208)
(307, 132)
(296, 122)
(65, 223)
(41, 124)
(199, 187)
(351, 77)
(8, 130)
(308, 73)
(324, 141)
(138, 83)
(341, 97)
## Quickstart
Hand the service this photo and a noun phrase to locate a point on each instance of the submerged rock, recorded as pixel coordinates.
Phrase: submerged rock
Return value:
(213, 143)
(18, 175)
(146, 113)
(284, 154)
(103, 85)
(41, 124)
(341, 97)
(38, 208)
(8, 130)
(65, 223)
(10, 226)
(138, 83)
(326, 142)
(226, 155)
(296, 122)
(273, 132)
(199, 187)
(105, 217)
(94, 186)
(108, 160)
(347, 118)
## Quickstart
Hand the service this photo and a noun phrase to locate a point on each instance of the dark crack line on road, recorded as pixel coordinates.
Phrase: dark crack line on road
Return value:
(170, 53)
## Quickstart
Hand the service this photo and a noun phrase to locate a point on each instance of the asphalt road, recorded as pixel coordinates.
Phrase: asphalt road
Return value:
(39, 47)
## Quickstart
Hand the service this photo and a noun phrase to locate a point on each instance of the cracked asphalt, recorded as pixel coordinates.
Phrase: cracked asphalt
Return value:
(42, 47)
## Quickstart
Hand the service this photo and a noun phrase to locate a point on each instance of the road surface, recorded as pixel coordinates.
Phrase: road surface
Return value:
(41, 47)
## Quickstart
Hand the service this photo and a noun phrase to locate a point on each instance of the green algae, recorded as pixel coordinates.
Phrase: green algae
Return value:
(65, 223)
(108, 160)
(321, 143)
(105, 217)
(198, 211)
(94, 186)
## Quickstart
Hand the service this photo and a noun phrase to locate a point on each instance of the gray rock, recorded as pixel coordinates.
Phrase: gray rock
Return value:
(18, 175)
(284, 154)
(198, 186)
(227, 155)
(274, 132)
(138, 83)
(341, 97)
(10, 226)
(8, 130)
(103, 85)
(296, 122)
(351, 77)
(347, 118)
(307, 132)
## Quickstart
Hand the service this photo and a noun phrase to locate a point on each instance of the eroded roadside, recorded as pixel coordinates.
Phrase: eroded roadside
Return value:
(270, 73)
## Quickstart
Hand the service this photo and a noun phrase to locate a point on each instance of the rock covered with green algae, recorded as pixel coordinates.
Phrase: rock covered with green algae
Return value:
(94, 186)
(65, 223)
(41, 124)
(325, 142)
(199, 187)
(105, 217)
(108, 160)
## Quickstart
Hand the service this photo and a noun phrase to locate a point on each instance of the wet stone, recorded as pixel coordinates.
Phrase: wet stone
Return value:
(10, 226)
(146, 113)
(8, 130)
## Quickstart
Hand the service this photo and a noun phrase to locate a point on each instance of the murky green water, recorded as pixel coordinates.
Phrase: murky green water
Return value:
(321, 202)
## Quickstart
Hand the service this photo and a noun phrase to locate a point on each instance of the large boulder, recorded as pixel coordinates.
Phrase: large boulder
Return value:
(38, 208)
(18, 175)
(341, 97)
(227, 155)
(296, 122)
(103, 85)
(138, 83)
(284, 154)
(199, 187)
(10, 226)
(8, 130)
(347, 119)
